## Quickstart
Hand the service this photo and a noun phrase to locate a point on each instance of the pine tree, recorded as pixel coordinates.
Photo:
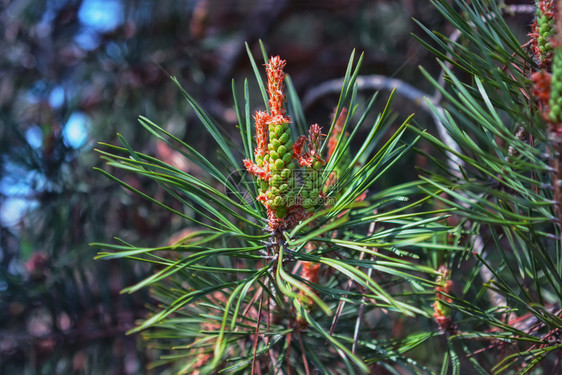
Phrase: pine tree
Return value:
(330, 273)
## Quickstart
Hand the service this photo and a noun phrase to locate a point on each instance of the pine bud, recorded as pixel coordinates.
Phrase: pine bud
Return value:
(543, 30)
(279, 139)
(279, 130)
(337, 136)
(312, 163)
(555, 103)
(442, 312)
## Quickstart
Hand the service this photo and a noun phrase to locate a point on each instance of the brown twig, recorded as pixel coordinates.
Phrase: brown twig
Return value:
(341, 304)
(304, 359)
(287, 356)
(359, 318)
(256, 336)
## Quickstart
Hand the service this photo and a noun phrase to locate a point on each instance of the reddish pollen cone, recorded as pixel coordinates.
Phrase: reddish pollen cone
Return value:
(275, 77)
(261, 118)
(260, 172)
(338, 127)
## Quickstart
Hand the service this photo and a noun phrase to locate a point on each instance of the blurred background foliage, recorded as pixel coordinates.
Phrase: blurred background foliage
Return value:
(76, 72)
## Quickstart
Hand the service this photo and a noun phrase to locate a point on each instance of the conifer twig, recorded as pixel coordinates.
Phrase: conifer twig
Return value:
(256, 336)
(360, 317)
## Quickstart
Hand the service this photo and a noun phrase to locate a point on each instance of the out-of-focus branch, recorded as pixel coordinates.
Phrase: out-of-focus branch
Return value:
(416, 96)
(513, 9)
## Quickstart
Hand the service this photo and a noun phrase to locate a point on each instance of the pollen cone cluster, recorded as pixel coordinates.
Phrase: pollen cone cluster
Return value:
(312, 165)
(275, 156)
